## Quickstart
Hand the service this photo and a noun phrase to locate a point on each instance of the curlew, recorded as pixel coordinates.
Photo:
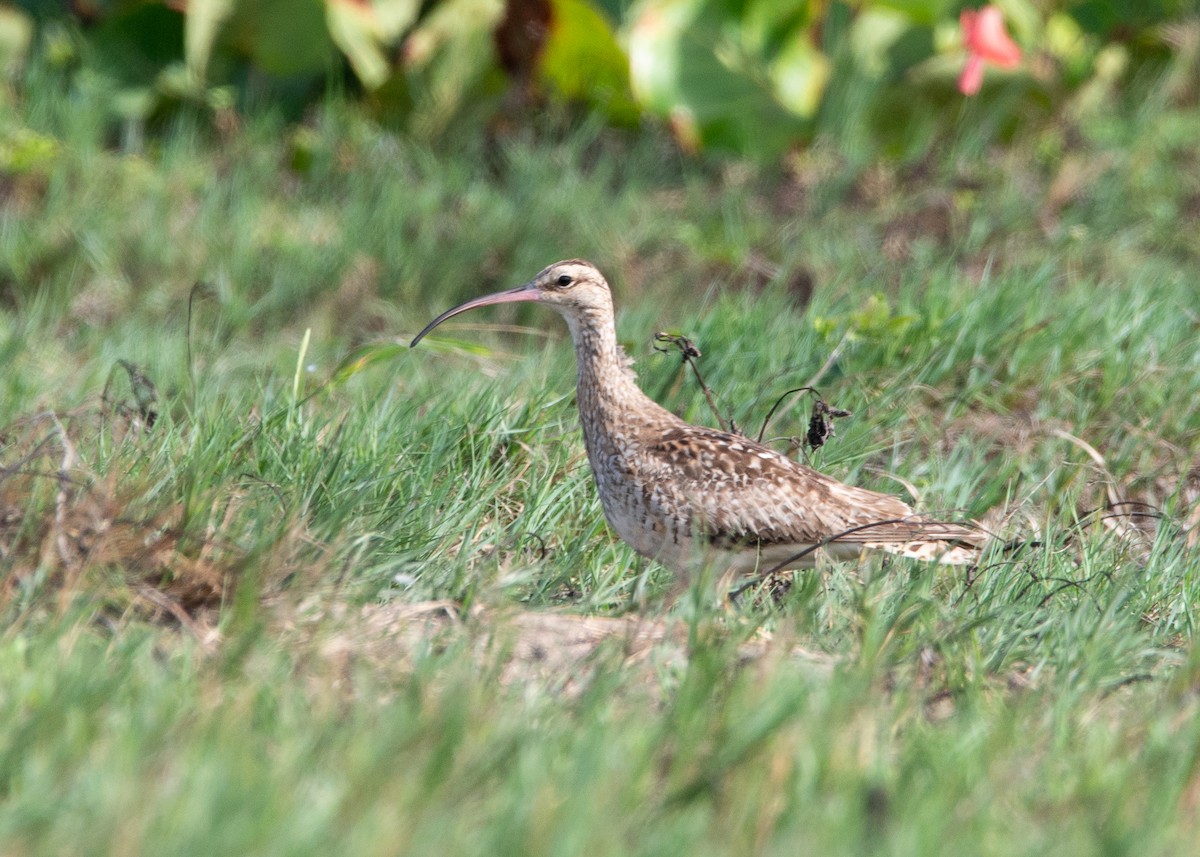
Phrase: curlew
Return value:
(696, 498)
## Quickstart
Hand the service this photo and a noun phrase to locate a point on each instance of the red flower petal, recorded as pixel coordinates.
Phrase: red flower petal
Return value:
(985, 36)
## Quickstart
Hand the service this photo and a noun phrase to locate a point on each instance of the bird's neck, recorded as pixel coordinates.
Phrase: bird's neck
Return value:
(610, 401)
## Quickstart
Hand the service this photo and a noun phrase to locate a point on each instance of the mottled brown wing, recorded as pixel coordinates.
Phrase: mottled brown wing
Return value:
(748, 493)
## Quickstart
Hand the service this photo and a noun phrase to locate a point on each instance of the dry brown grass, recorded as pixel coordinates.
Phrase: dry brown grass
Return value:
(69, 527)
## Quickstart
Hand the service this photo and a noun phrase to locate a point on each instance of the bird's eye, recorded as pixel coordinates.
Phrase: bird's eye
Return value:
(564, 279)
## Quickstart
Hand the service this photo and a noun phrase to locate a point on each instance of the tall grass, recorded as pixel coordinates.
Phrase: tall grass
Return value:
(192, 658)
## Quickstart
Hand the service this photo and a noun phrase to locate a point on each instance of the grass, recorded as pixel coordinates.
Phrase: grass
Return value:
(204, 644)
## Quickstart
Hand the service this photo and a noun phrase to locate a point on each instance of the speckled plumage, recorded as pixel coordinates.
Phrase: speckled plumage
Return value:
(687, 495)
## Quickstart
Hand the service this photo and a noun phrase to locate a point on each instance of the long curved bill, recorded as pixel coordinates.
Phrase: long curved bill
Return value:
(527, 292)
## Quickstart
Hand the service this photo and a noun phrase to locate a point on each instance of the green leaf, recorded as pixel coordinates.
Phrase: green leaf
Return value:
(923, 12)
(456, 346)
(688, 64)
(135, 103)
(380, 352)
(654, 48)
(395, 17)
(136, 42)
(872, 36)
(357, 32)
(282, 37)
(446, 60)
(365, 357)
(582, 60)
(766, 26)
(16, 36)
(203, 23)
(800, 73)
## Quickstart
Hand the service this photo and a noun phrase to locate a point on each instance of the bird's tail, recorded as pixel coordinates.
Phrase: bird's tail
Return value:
(930, 540)
(931, 550)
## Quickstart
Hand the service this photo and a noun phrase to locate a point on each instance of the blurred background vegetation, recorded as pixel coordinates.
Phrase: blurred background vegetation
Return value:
(755, 77)
(353, 166)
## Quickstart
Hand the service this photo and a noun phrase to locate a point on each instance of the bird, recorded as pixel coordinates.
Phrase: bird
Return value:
(699, 499)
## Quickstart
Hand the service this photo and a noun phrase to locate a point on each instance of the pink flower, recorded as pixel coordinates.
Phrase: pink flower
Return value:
(986, 41)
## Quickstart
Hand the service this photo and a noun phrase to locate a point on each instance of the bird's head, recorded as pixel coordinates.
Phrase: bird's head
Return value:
(573, 287)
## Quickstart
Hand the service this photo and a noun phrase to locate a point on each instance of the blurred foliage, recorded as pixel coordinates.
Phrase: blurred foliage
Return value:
(751, 76)
(874, 319)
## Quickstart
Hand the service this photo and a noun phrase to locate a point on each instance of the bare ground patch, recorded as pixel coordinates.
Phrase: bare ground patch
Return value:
(555, 651)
